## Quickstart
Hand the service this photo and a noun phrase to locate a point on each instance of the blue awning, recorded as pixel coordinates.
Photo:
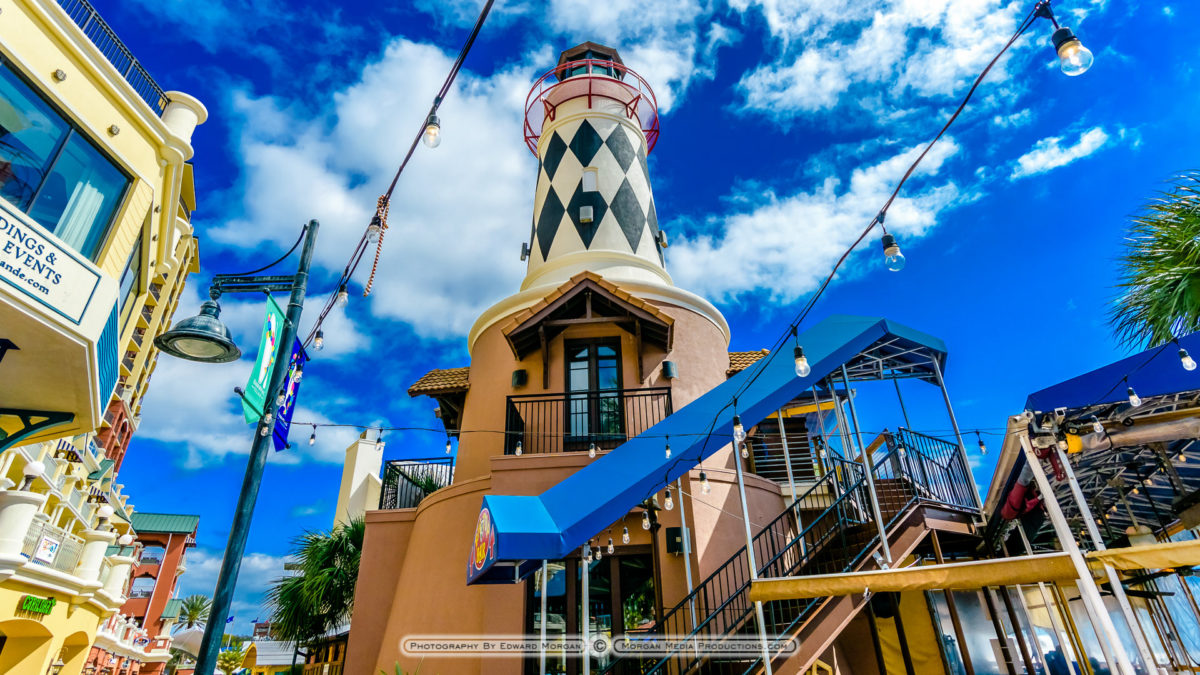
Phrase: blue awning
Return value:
(1153, 372)
(515, 533)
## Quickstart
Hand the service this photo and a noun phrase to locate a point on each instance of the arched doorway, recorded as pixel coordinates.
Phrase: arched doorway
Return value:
(24, 646)
(74, 652)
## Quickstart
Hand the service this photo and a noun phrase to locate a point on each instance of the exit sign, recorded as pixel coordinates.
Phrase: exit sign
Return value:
(32, 603)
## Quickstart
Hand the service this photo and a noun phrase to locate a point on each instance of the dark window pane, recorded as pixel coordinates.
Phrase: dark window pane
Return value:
(79, 196)
(30, 132)
(131, 284)
(637, 592)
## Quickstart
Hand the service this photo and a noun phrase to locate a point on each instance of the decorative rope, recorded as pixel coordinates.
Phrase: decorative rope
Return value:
(381, 213)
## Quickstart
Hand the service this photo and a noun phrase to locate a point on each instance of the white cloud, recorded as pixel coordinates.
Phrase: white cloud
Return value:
(1050, 153)
(784, 246)
(830, 53)
(257, 573)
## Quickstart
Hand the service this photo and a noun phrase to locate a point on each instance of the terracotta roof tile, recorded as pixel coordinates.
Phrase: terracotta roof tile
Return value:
(441, 381)
(739, 361)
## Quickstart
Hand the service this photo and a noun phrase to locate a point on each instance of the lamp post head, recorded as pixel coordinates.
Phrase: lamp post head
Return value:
(203, 337)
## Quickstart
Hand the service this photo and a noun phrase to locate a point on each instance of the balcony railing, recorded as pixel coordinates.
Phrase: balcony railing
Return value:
(52, 546)
(407, 481)
(101, 35)
(572, 422)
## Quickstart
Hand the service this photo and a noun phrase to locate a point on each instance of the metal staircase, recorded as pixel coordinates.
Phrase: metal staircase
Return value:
(829, 529)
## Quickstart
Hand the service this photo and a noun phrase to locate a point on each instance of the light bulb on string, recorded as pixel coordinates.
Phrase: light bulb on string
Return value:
(667, 448)
(268, 418)
(263, 430)
(517, 449)
(624, 535)
(297, 374)
(645, 520)
(1097, 427)
(982, 447)
(343, 297)
(1186, 360)
(374, 229)
(668, 503)
(596, 554)
(611, 549)
(739, 432)
(449, 446)
(893, 259)
(746, 450)
(432, 136)
(312, 440)
(380, 444)
(281, 398)
(1073, 58)
(1135, 401)
(591, 450)
(705, 488)
(319, 341)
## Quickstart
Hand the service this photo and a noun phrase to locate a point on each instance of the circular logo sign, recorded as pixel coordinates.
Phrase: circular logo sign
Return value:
(485, 541)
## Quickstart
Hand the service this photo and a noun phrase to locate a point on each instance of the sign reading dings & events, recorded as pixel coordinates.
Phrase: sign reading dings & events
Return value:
(34, 262)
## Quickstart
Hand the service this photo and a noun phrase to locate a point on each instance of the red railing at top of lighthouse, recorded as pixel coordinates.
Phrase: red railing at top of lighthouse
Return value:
(603, 79)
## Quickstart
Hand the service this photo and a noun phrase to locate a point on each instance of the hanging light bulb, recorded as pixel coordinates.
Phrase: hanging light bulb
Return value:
(319, 341)
(982, 447)
(449, 447)
(281, 398)
(746, 450)
(645, 520)
(893, 259)
(611, 548)
(624, 535)
(312, 440)
(592, 450)
(668, 449)
(802, 367)
(739, 432)
(343, 297)
(1186, 359)
(668, 503)
(1073, 58)
(297, 374)
(705, 488)
(596, 554)
(268, 418)
(1097, 427)
(263, 430)
(517, 450)
(432, 137)
(374, 229)
(1134, 400)
(380, 444)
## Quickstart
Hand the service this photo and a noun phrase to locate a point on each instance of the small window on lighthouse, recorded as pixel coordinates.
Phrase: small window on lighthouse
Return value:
(585, 214)
(589, 180)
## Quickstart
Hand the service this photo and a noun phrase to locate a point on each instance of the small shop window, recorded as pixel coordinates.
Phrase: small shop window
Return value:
(143, 587)
(590, 179)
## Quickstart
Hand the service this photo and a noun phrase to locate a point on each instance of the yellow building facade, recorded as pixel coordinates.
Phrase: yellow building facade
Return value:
(96, 197)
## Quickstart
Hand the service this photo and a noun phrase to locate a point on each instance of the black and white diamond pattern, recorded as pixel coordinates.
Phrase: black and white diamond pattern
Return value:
(623, 213)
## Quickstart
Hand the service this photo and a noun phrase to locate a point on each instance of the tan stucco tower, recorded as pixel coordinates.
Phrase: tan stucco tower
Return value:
(597, 345)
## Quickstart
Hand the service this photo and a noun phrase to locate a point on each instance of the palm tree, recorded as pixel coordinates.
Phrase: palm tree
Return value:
(230, 660)
(319, 597)
(1160, 269)
(193, 612)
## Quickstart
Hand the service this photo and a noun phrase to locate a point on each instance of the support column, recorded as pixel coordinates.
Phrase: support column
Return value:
(1106, 632)
(586, 562)
(687, 548)
(869, 471)
(953, 608)
(1114, 580)
(542, 646)
(17, 509)
(95, 543)
(758, 608)
(962, 449)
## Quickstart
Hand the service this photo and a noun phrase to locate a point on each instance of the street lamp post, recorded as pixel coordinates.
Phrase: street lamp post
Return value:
(205, 338)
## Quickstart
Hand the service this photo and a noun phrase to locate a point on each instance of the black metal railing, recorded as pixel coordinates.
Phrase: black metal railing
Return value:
(106, 40)
(407, 481)
(572, 422)
(829, 529)
(934, 465)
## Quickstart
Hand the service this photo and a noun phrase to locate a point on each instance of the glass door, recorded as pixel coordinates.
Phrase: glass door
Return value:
(594, 407)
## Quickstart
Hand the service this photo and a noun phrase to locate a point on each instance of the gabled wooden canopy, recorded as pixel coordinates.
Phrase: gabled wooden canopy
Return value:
(587, 298)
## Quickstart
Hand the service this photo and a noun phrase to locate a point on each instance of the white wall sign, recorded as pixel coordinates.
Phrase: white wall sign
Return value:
(47, 549)
(35, 262)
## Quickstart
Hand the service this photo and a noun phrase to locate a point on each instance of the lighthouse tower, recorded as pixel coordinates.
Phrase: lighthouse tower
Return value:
(592, 122)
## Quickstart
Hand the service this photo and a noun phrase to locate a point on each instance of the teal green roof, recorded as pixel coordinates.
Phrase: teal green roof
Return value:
(164, 522)
(105, 465)
(171, 610)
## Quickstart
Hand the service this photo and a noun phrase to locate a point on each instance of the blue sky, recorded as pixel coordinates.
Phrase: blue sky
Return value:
(785, 124)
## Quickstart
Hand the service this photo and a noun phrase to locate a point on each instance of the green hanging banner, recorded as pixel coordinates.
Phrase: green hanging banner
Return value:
(268, 350)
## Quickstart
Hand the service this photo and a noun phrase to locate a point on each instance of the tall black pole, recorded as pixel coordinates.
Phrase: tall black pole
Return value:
(231, 564)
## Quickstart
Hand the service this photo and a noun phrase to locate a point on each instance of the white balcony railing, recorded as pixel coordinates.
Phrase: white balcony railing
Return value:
(52, 546)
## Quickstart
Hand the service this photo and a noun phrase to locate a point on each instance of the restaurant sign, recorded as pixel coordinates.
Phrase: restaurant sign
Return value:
(35, 263)
(36, 605)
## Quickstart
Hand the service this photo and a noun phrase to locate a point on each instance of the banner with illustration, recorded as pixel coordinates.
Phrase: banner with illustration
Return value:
(268, 350)
(291, 387)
